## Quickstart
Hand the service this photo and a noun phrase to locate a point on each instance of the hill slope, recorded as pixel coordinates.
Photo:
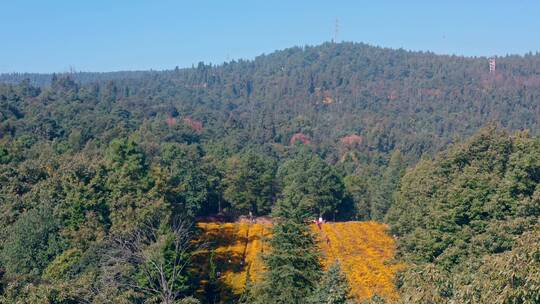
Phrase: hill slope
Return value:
(353, 104)
(474, 206)
(84, 164)
(417, 102)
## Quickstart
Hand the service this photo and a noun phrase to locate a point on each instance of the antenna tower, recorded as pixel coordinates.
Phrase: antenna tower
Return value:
(336, 31)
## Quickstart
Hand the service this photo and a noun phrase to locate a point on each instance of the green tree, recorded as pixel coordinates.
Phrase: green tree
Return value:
(388, 186)
(511, 277)
(250, 183)
(63, 266)
(83, 208)
(293, 268)
(128, 163)
(182, 179)
(128, 182)
(358, 189)
(32, 243)
(332, 289)
(425, 285)
(311, 185)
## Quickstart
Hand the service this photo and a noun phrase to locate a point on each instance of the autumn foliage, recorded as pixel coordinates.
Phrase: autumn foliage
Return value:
(351, 140)
(196, 125)
(171, 121)
(300, 137)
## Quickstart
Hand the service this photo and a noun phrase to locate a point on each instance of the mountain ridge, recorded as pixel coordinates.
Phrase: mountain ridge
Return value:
(44, 78)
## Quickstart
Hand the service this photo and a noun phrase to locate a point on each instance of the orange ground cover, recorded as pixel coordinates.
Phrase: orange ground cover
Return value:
(363, 249)
(237, 249)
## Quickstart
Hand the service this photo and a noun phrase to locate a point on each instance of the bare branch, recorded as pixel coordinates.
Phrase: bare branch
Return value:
(136, 249)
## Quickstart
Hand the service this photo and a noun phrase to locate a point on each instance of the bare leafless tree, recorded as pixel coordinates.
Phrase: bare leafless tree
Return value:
(142, 250)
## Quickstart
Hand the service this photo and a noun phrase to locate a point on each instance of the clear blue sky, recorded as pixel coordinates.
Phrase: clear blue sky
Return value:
(109, 35)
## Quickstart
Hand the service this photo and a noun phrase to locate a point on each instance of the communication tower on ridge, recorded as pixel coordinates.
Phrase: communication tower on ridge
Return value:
(336, 31)
(492, 65)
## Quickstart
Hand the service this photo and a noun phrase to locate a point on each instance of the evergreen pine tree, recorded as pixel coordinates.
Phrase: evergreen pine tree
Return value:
(332, 289)
(388, 186)
(293, 267)
(312, 186)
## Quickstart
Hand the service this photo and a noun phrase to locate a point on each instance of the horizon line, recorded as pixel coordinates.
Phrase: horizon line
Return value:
(73, 70)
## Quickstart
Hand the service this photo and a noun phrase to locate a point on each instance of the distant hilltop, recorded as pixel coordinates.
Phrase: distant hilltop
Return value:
(343, 50)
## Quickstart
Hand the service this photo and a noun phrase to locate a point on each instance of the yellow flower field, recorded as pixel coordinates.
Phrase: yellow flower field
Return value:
(363, 249)
(237, 249)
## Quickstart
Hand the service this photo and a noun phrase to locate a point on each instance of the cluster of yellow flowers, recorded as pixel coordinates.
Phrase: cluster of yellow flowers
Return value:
(364, 251)
(237, 249)
(257, 245)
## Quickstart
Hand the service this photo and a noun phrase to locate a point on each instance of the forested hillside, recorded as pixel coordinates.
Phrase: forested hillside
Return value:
(102, 176)
(468, 222)
(353, 104)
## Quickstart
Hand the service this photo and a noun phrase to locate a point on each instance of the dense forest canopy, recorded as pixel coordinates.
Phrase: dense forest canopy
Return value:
(417, 102)
(101, 173)
(469, 222)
